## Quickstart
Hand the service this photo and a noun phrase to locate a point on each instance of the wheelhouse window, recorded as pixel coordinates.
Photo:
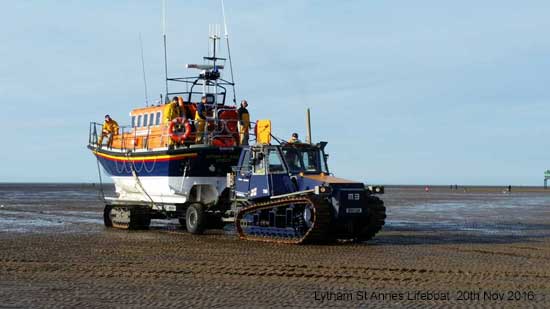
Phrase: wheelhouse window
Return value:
(145, 120)
(139, 121)
(157, 122)
(133, 121)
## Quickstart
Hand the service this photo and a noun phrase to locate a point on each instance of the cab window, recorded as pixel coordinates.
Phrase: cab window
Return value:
(158, 119)
(310, 161)
(275, 162)
(139, 121)
(304, 160)
(245, 166)
(145, 120)
(259, 164)
(151, 119)
(133, 121)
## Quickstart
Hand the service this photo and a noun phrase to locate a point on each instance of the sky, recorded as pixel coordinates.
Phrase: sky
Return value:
(405, 92)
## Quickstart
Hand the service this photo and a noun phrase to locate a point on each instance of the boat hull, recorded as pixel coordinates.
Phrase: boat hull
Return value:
(169, 176)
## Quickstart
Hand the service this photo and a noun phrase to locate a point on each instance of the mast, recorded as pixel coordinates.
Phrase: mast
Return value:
(229, 53)
(143, 68)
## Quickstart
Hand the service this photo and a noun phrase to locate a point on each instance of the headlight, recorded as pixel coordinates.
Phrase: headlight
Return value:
(321, 190)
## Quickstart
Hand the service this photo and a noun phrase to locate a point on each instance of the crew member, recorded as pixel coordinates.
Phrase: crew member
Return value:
(244, 123)
(200, 120)
(171, 110)
(294, 139)
(110, 128)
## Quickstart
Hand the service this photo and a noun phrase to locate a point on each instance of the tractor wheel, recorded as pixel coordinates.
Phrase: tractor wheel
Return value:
(195, 218)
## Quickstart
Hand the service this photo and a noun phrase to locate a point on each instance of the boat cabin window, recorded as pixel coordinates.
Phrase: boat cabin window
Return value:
(157, 122)
(151, 119)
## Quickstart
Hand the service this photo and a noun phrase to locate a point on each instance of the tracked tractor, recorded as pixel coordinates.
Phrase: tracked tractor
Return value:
(286, 193)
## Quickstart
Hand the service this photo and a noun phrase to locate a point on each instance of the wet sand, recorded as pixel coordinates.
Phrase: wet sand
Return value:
(479, 247)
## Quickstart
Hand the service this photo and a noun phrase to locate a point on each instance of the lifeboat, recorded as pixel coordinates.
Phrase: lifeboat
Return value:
(150, 162)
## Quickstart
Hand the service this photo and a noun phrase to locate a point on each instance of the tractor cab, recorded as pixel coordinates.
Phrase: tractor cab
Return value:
(305, 158)
(270, 170)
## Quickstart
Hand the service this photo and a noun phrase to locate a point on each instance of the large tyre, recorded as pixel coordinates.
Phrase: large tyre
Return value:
(374, 222)
(195, 218)
(107, 216)
(183, 223)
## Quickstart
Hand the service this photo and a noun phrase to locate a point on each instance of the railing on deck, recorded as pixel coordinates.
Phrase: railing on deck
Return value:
(151, 137)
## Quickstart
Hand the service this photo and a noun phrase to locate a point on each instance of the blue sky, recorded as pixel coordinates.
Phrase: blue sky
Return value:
(405, 92)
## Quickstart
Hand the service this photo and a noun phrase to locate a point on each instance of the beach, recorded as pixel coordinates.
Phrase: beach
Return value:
(474, 246)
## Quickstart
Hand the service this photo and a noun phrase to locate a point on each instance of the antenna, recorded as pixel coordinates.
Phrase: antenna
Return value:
(229, 53)
(164, 38)
(143, 68)
(308, 127)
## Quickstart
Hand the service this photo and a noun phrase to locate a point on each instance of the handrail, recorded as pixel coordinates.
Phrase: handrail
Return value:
(158, 137)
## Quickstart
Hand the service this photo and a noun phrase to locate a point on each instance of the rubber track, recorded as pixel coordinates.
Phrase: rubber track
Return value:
(376, 221)
(317, 232)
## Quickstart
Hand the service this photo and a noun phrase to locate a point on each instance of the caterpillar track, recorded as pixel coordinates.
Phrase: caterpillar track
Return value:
(292, 220)
(375, 221)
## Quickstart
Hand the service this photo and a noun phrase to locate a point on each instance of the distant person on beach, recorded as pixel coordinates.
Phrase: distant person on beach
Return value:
(244, 123)
(509, 188)
(200, 121)
(294, 139)
(109, 129)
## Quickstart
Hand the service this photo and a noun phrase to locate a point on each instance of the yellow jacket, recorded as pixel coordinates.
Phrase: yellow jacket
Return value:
(171, 111)
(244, 117)
(294, 140)
(111, 127)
